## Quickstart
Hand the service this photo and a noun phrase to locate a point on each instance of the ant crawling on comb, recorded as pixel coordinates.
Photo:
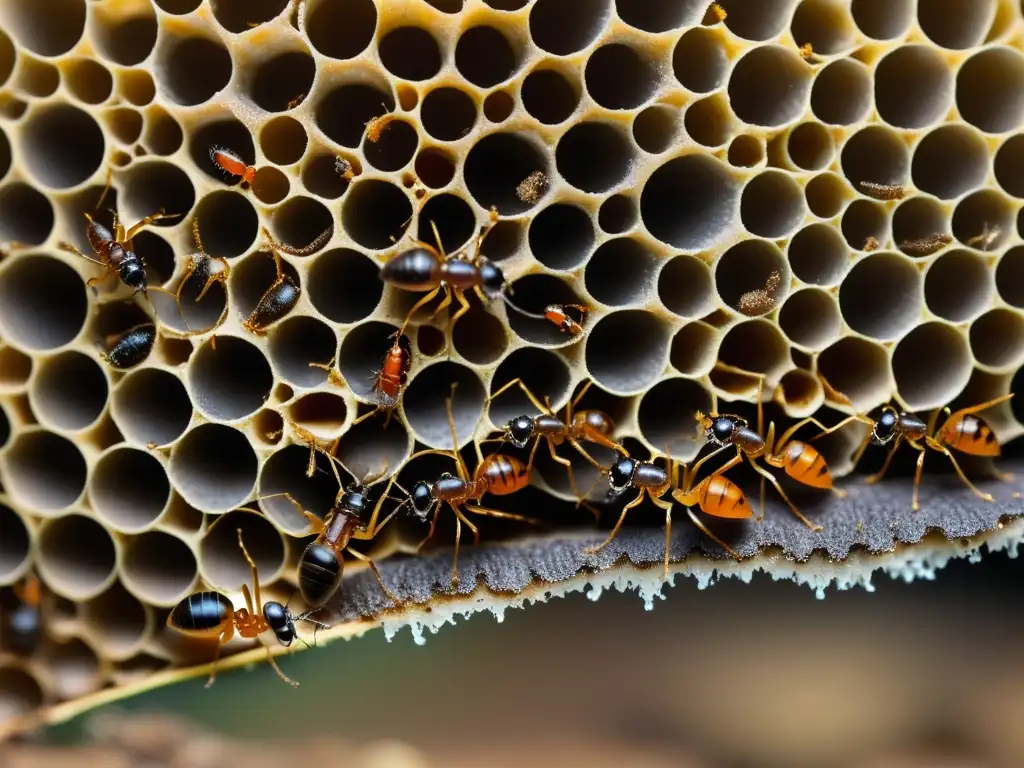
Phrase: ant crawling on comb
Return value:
(799, 460)
(425, 268)
(963, 430)
(497, 474)
(232, 166)
(112, 248)
(212, 615)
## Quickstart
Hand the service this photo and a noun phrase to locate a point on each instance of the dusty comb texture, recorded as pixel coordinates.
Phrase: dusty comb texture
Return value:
(791, 187)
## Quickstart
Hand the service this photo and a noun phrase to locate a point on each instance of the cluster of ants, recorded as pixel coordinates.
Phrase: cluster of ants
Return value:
(355, 517)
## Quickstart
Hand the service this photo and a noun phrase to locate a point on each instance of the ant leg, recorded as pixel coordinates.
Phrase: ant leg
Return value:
(69, 248)
(216, 657)
(277, 669)
(836, 427)
(931, 443)
(704, 529)
(774, 481)
(724, 468)
(158, 216)
(255, 578)
(615, 531)
(667, 506)
(220, 277)
(458, 540)
(433, 527)
(476, 532)
(888, 460)
(917, 475)
(568, 468)
(579, 395)
(986, 404)
(463, 305)
(487, 511)
(445, 302)
(788, 434)
(423, 301)
(373, 567)
(460, 464)
(367, 415)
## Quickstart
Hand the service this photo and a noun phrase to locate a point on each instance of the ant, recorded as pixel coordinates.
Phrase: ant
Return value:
(962, 430)
(113, 250)
(232, 166)
(130, 347)
(590, 425)
(278, 300)
(205, 269)
(556, 314)
(716, 495)
(23, 622)
(800, 461)
(321, 565)
(498, 474)
(388, 382)
(425, 268)
(212, 615)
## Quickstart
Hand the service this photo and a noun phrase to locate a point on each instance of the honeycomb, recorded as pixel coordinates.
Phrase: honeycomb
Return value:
(815, 189)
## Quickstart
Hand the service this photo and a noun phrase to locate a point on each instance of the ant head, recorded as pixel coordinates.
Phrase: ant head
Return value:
(492, 278)
(620, 476)
(422, 500)
(519, 431)
(885, 428)
(722, 430)
(132, 274)
(354, 499)
(280, 621)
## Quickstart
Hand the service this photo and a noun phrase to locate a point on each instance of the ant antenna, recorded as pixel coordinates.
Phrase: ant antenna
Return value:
(532, 315)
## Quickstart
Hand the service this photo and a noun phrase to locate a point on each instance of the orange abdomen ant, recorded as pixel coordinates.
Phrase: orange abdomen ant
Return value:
(232, 166)
(502, 474)
(390, 380)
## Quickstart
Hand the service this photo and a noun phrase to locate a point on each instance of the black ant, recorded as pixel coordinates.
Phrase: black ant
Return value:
(962, 430)
(321, 565)
(497, 474)
(590, 425)
(113, 249)
(212, 615)
(425, 268)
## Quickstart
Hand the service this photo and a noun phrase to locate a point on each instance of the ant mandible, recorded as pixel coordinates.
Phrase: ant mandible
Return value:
(212, 615)
(590, 425)
(498, 474)
(800, 461)
(962, 431)
(113, 250)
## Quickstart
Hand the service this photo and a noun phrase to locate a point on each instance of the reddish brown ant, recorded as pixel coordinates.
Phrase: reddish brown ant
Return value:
(716, 495)
(130, 347)
(388, 382)
(800, 461)
(321, 565)
(232, 166)
(498, 474)
(113, 250)
(212, 615)
(591, 425)
(556, 315)
(962, 430)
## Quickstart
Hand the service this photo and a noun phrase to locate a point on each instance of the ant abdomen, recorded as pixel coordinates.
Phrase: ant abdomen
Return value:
(273, 305)
(131, 347)
(202, 613)
(320, 571)
(416, 270)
